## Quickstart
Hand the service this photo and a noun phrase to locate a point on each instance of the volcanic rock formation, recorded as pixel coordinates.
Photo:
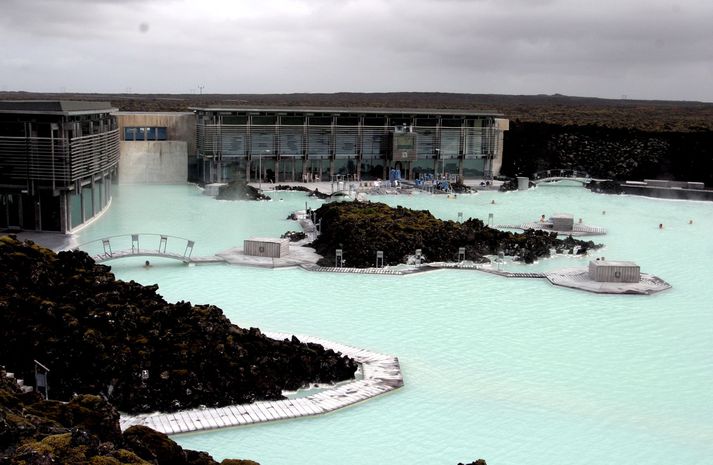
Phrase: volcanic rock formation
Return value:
(102, 336)
(361, 229)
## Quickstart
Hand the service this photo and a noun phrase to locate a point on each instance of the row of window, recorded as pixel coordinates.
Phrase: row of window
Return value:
(142, 134)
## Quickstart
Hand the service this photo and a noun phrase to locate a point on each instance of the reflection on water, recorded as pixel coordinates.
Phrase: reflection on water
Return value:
(515, 371)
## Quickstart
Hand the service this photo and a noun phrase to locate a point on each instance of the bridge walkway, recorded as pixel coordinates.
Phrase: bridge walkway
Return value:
(144, 245)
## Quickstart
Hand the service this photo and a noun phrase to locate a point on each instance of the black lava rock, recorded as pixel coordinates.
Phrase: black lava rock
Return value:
(121, 340)
(362, 229)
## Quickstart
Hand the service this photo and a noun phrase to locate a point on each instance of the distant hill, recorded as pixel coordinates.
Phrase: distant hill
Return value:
(646, 115)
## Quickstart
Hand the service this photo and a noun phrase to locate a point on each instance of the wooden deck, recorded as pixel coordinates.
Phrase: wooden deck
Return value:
(381, 374)
(578, 229)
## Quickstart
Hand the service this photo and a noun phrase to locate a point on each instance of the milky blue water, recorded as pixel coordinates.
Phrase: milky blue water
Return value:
(514, 371)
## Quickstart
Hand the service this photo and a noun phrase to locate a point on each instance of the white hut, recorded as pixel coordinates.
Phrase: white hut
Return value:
(607, 271)
(266, 247)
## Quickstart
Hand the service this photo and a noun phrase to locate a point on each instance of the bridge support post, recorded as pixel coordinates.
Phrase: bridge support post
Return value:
(189, 250)
(107, 247)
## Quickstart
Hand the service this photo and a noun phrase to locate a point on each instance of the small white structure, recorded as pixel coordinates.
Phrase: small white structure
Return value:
(523, 183)
(266, 247)
(562, 222)
(606, 271)
(213, 189)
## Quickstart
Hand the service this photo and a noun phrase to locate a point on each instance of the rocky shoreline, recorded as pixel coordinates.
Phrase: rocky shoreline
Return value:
(111, 344)
(123, 341)
(361, 229)
(85, 430)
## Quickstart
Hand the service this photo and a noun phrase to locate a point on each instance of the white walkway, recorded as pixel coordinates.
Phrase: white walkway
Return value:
(382, 374)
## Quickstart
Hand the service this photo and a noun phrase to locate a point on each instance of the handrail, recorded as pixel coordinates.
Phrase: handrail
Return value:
(134, 247)
(127, 235)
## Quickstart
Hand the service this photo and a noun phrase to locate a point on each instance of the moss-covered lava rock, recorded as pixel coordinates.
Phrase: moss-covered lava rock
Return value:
(102, 336)
(83, 431)
(361, 229)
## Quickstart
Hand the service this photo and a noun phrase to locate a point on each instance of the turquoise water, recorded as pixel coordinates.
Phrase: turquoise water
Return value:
(514, 371)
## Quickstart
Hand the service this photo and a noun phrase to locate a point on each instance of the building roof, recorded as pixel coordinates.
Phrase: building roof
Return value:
(154, 113)
(358, 110)
(55, 107)
(271, 240)
(613, 263)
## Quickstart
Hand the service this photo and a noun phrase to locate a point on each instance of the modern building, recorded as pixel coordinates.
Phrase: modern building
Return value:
(57, 161)
(303, 144)
(156, 147)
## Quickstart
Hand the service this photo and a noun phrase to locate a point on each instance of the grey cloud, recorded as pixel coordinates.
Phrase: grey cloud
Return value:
(504, 46)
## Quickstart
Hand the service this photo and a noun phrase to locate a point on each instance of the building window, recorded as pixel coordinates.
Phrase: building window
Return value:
(141, 134)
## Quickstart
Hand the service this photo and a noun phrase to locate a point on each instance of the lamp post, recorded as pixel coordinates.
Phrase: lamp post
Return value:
(259, 161)
(438, 156)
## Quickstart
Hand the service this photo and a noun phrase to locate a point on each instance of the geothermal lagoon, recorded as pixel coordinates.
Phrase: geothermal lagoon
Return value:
(515, 371)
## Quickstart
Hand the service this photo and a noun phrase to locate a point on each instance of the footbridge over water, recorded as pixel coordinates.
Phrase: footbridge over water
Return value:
(140, 245)
(563, 175)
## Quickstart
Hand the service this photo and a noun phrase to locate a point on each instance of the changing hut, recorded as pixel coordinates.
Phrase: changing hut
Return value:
(607, 271)
(266, 247)
(562, 222)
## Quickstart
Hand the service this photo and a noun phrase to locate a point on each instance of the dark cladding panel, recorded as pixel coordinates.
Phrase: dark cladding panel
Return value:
(319, 141)
(320, 120)
(264, 120)
(450, 142)
(292, 120)
(234, 140)
(291, 140)
(262, 140)
(374, 142)
(374, 121)
(347, 140)
(426, 141)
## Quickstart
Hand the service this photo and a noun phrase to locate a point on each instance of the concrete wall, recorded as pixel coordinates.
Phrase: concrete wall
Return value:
(502, 125)
(158, 162)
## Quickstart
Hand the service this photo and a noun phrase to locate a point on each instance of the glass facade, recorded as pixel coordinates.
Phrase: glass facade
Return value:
(319, 143)
(47, 182)
(145, 134)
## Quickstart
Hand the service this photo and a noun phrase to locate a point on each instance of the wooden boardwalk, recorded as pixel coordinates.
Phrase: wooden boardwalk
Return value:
(577, 230)
(381, 374)
(336, 269)
(478, 267)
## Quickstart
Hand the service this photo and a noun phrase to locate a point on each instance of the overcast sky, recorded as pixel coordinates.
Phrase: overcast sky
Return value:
(649, 49)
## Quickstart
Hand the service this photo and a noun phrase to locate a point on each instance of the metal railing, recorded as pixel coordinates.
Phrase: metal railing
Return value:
(139, 244)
